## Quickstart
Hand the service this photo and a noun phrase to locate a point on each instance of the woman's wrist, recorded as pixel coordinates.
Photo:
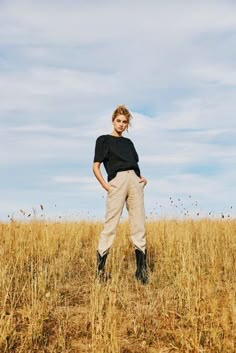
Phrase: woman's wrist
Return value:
(106, 186)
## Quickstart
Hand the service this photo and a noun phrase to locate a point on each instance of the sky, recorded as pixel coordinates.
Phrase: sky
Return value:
(66, 65)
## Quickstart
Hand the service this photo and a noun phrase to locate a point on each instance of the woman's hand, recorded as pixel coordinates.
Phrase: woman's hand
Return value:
(107, 186)
(98, 175)
(143, 180)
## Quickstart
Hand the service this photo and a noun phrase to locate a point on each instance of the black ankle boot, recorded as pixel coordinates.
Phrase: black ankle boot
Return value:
(141, 272)
(101, 261)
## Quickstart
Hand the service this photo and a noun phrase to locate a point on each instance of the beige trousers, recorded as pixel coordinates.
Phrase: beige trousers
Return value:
(124, 188)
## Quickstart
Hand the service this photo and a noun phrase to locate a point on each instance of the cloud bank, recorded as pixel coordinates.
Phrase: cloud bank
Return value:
(65, 66)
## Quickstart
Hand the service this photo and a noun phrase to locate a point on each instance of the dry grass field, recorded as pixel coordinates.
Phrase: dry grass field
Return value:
(50, 300)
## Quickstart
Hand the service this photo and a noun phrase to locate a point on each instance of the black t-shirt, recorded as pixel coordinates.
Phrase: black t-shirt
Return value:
(117, 154)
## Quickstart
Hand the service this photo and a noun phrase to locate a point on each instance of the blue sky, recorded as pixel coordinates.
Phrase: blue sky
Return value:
(66, 65)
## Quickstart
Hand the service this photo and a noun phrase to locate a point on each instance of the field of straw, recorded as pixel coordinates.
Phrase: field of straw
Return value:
(50, 300)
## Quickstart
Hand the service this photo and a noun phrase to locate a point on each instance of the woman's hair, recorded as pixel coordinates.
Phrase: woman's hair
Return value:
(122, 110)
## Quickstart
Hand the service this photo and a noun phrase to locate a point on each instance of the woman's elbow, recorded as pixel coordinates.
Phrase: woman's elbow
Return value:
(96, 167)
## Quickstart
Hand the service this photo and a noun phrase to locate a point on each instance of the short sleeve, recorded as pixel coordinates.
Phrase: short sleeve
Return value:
(135, 152)
(101, 149)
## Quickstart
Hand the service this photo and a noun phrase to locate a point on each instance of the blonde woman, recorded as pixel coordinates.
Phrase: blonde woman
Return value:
(124, 185)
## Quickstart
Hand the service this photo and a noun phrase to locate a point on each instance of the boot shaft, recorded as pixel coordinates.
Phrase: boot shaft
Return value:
(141, 271)
(101, 261)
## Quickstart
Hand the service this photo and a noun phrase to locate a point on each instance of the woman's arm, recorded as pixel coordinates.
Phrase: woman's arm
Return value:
(98, 175)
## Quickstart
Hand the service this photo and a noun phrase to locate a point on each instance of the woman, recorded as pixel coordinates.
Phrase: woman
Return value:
(124, 185)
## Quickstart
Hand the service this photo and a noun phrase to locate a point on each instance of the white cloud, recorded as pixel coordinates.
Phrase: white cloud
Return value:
(216, 75)
(25, 148)
(49, 90)
(135, 56)
(73, 180)
(88, 23)
(66, 65)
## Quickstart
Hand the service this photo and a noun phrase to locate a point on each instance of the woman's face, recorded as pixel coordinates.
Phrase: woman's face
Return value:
(120, 123)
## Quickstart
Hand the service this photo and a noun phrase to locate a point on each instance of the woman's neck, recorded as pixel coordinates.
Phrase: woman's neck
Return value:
(116, 134)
